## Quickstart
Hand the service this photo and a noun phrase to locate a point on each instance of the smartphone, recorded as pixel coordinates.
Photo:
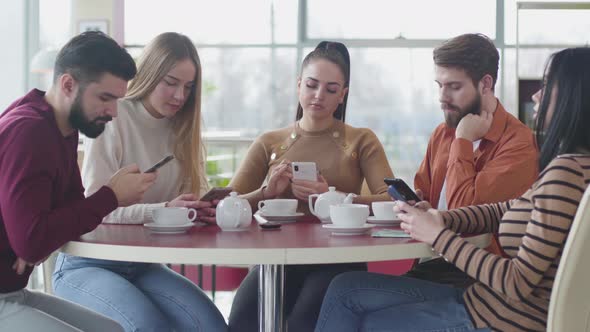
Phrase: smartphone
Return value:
(216, 193)
(390, 233)
(270, 225)
(400, 191)
(159, 164)
(304, 170)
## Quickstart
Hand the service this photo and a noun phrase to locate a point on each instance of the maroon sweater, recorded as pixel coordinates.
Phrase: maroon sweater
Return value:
(42, 204)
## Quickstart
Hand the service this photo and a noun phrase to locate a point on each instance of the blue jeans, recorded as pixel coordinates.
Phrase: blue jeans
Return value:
(361, 301)
(139, 296)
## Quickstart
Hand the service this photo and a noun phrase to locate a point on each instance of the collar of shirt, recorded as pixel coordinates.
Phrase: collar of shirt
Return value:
(498, 124)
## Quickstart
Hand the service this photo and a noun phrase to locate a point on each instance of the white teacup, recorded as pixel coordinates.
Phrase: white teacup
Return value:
(173, 215)
(349, 215)
(278, 207)
(383, 210)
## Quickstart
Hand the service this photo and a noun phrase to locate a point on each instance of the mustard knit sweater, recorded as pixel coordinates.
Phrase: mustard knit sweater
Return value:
(345, 156)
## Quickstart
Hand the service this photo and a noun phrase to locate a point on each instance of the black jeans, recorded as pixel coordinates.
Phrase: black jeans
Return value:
(305, 287)
(440, 271)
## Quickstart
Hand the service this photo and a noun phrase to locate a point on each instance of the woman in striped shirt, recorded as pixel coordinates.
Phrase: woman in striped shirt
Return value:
(512, 294)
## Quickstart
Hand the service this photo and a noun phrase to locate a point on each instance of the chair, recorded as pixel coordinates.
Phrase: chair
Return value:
(569, 307)
(48, 267)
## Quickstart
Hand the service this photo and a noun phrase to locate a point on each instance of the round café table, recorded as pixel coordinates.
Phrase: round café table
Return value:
(302, 242)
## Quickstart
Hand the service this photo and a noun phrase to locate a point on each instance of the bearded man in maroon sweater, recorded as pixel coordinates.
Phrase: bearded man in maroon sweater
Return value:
(42, 203)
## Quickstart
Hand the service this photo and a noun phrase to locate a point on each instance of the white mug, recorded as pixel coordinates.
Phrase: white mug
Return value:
(349, 215)
(278, 207)
(173, 215)
(384, 210)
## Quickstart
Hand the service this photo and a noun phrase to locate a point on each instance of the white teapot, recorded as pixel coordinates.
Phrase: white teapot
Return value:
(233, 213)
(323, 202)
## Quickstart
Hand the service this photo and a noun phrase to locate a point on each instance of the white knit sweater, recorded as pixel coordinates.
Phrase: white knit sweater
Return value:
(134, 136)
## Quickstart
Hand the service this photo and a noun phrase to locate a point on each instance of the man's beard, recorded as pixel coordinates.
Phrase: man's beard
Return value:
(453, 118)
(79, 120)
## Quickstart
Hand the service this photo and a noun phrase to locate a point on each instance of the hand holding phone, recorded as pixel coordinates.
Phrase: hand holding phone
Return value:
(278, 180)
(304, 170)
(129, 184)
(400, 191)
(159, 164)
(216, 193)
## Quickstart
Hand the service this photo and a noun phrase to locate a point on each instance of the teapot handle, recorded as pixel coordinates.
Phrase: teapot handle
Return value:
(349, 198)
(238, 205)
(311, 209)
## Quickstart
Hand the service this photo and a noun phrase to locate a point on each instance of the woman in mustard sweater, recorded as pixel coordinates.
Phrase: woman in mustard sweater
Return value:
(344, 155)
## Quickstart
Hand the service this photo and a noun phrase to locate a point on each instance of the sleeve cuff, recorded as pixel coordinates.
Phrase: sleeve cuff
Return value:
(106, 199)
(447, 218)
(461, 149)
(442, 241)
(255, 197)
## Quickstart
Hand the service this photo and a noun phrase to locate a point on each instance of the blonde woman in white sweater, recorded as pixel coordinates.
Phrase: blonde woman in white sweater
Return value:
(160, 116)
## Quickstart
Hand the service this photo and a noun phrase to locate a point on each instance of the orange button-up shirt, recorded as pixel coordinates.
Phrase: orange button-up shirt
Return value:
(503, 167)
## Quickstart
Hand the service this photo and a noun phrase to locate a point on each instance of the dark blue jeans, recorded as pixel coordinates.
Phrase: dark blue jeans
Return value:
(361, 301)
(305, 287)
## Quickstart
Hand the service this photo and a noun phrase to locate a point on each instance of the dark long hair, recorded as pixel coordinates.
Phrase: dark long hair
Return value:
(337, 53)
(568, 71)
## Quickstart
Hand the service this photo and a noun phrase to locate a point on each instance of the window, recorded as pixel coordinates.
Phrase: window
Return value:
(385, 19)
(54, 23)
(251, 59)
(212, 22)
(393, 92)
(547, 26)
(248, 89)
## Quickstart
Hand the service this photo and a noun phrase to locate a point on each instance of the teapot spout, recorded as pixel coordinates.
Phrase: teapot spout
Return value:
(348, 199)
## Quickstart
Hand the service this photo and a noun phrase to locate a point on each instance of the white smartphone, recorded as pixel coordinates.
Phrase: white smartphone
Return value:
(304, 170)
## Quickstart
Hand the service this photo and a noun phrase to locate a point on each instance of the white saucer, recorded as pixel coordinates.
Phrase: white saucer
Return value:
(238, 229)
(340, 230)
(374, 220)
(168, 229)
(281, 218)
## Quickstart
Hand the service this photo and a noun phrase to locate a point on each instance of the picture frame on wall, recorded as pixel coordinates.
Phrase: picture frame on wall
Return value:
(93, 25)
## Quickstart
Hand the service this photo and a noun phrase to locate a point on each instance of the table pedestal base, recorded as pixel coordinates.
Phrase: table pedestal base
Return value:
(270, 298)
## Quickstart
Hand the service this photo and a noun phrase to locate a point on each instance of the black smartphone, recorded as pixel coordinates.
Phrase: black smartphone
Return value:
(216, 193)
(400, 191)
(270, 225)
(159, 164)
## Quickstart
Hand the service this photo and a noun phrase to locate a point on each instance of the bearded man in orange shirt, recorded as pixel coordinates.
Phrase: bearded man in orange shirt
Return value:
(481, 153)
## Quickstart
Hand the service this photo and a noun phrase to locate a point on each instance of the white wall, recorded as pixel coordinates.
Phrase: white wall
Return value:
(13, 57)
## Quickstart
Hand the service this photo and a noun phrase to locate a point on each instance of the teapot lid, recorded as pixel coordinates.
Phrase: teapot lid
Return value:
(331, 188)
(232, 197)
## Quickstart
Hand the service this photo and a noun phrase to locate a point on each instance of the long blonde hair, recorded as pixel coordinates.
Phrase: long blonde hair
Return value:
(157, 59)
